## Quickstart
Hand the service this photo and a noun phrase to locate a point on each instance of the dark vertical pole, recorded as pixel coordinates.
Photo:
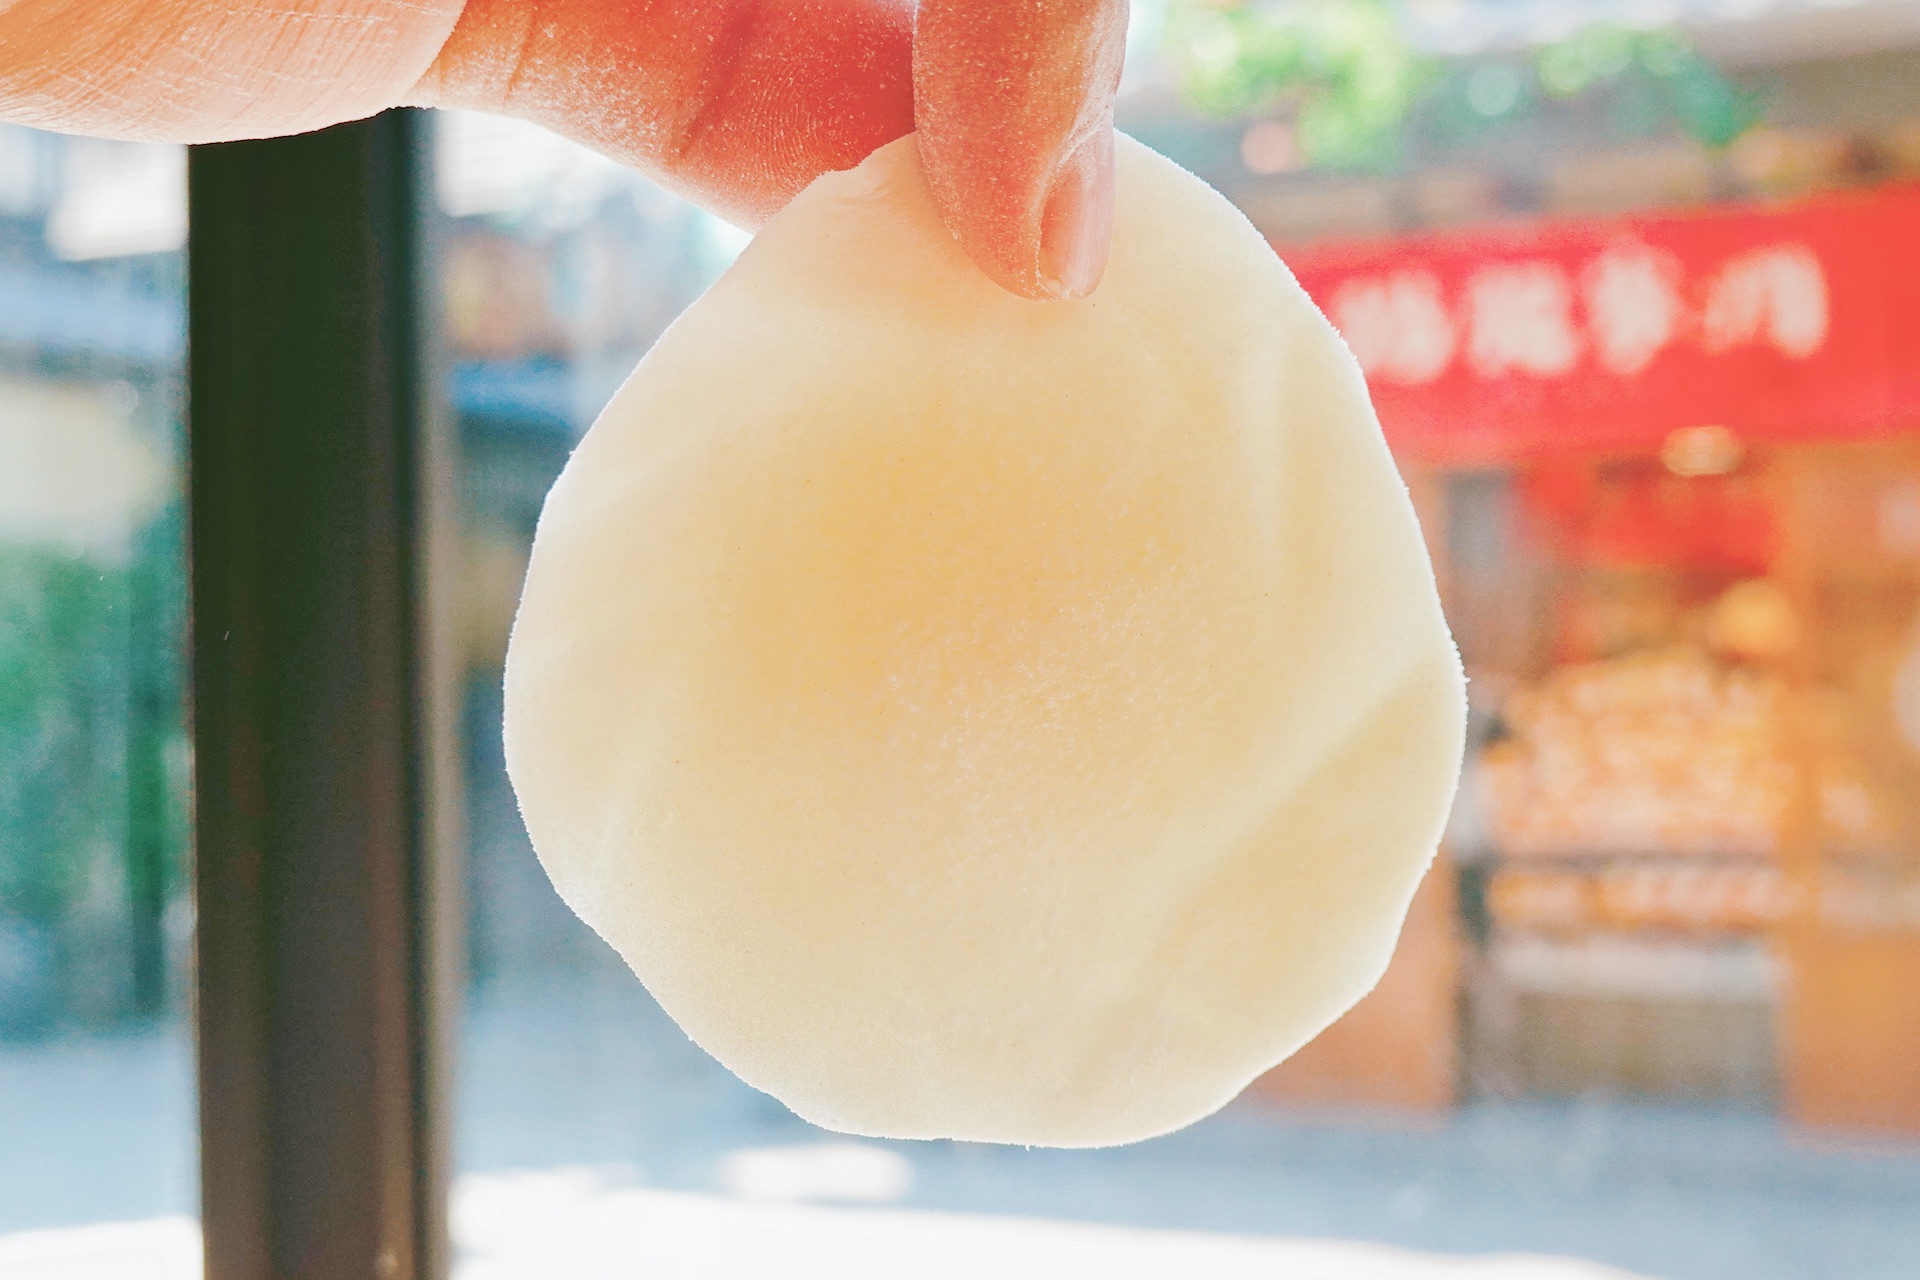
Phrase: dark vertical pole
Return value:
(151, 713)
(317, 709)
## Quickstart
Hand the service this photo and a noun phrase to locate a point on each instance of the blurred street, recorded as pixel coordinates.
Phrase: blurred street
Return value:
(625, 1109)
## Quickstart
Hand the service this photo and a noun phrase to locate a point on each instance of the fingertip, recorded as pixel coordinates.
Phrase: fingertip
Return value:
(1076, 222)
(1013, 100)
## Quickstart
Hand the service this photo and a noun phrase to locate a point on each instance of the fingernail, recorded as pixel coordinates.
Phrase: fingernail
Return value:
(1076, 222)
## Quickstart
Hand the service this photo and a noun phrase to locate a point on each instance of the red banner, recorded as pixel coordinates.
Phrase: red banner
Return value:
(1606, 336)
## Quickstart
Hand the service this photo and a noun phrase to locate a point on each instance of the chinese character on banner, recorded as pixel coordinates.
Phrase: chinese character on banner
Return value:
(1634, 305)
(1520, 320)
(1776, 295)
(1735, 325)
(1397, 326)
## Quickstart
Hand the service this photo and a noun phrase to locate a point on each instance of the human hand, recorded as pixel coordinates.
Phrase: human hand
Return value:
(737, 104)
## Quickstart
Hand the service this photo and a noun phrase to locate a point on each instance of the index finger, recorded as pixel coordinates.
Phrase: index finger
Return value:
(736, 104)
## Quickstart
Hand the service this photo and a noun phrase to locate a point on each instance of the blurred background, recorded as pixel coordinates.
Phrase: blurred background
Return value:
(1637, 288)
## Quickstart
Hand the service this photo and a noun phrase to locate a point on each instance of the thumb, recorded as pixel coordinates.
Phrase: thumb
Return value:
(1013, 100)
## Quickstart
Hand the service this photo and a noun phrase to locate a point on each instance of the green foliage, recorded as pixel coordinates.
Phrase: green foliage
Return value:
(1346, 67)
(1649, 68)
(53, 664)
(1350, 75)
(92, 732)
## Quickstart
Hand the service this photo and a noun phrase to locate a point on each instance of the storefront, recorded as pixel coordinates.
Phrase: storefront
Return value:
(1670, 467)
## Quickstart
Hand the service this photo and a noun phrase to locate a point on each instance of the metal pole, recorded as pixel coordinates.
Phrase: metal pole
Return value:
(319, 711)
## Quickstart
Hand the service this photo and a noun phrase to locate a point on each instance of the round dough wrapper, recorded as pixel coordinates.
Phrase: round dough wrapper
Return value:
(979, 718)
